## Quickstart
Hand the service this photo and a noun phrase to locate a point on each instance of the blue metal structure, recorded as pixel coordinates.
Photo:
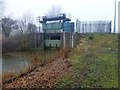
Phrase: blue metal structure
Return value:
(53, 18)
(52, 30)
(69, 27)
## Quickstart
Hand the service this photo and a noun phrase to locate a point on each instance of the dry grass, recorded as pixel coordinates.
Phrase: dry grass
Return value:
(63, 53)
(43, 74)
(10, 76)
(6, 76)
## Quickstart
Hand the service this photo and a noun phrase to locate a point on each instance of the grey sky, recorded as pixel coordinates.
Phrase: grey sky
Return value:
(84, 10)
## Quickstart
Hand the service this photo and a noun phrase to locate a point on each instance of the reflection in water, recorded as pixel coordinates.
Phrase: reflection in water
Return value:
(14, 62)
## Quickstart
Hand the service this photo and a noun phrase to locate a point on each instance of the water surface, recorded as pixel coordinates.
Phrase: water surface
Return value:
(15, 61)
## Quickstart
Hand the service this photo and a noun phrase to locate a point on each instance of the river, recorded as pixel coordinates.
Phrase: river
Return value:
(15, 61)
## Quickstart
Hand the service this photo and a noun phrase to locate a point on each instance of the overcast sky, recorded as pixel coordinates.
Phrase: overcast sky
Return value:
(84, 10)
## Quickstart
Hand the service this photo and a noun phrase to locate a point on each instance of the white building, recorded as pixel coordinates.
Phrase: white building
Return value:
(93, 26)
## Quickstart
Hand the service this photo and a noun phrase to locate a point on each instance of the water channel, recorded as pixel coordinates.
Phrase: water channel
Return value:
(14, 61)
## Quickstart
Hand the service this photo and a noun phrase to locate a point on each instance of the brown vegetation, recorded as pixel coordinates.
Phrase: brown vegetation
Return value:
(63, 53)
(42, 74)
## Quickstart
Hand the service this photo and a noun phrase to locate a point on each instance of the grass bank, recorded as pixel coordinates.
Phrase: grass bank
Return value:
(95, 63)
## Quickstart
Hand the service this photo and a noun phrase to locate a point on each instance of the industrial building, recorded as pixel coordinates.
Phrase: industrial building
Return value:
(59, 31)
(93, 26)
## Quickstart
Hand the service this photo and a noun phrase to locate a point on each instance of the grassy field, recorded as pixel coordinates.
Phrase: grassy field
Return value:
(95, 63)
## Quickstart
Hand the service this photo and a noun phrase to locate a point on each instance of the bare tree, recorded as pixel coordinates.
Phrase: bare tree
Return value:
(55, 9)
(31, 28)
(7, 25)
(24, 21)
(28, 18)
(26, 27)
(2, 7)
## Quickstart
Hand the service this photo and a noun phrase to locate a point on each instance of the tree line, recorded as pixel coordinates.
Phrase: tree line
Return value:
(17, 34)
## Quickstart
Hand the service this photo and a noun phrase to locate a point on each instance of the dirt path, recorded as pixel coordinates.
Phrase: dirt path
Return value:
(43, 76)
